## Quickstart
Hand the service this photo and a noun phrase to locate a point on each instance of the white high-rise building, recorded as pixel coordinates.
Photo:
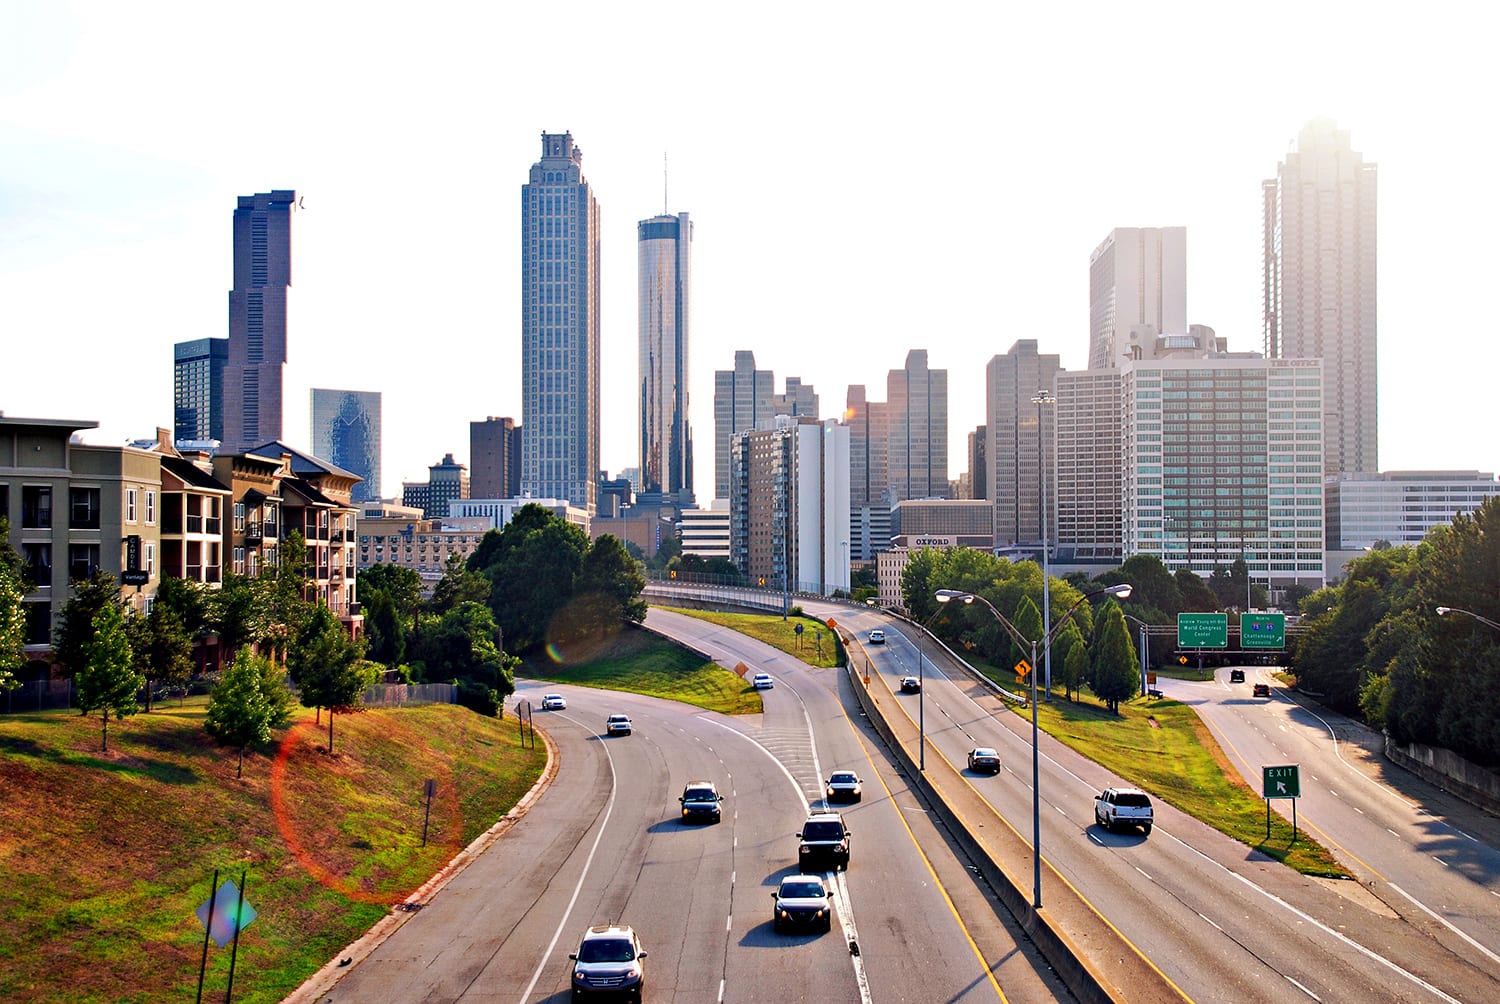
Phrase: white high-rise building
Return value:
(560, 328)
(1137, 291)
(1018, 446)
(1319, 280)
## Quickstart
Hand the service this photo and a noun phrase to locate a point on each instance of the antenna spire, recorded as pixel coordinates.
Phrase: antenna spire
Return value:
(664, 202)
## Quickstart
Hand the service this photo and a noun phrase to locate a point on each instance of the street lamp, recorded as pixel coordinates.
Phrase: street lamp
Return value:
(922, 688)
(1145, 650)
(1444, 611)
(943, 596)
(1044, 397)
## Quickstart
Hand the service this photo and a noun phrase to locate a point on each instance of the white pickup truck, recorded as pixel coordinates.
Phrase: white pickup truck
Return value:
(1119, 807)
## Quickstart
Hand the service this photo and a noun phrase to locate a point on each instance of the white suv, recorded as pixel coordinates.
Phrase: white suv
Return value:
(617, 725)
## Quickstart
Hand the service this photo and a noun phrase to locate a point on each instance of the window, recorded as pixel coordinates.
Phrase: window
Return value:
(36, 507)
(150, 507)
(83, 505)
(83, 560)
(150, 557)
(211, 523)
(38, 623)
(130, 504)
(239, 517)
(38, 558)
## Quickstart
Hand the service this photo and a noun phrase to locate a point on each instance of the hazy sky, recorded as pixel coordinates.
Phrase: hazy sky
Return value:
(864, 179)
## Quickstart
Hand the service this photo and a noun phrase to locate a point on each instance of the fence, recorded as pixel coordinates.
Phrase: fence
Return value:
(395, 695)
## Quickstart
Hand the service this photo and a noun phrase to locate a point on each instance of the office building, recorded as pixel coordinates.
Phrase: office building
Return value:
(346, 433)
(198, 390)
(495, 458)
(742, 401)
(560, 231)
(256, 366)
(1137, 290)
(1399, 507)
(917, 430)
(664, 252)
(789, 505)
(798, 400)
(1020, 441)
(447, 481)
(961, 522)
(1222, 460)
(1319, 284)
(1084, 505)
(705, 532)
(976, 480)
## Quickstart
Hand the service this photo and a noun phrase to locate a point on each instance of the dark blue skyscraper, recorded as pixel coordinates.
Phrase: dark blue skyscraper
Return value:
(257, 319)
(198, 389)
(346, 433)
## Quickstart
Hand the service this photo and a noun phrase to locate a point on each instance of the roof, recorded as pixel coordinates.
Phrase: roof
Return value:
(303, 464)
(191, 474)
(309, 493)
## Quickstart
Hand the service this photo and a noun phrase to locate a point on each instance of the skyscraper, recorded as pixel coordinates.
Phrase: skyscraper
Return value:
(1018, 446)
(346, 433)
(1137, 291)
(560, 328)
(198, 389)
(742, 401)
(664, 250)
(256, 365)
(495, 458)
(917, 410)
(1319, 284)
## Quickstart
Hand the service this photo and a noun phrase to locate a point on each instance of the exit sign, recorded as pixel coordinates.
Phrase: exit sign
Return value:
(1262, 630)
(1281, 782)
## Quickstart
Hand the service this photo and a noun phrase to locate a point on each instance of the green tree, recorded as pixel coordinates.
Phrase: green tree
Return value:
(608, 586)
(1070, 656)
(107, 679)
(286, 605)
(402, 585)
(327, 666)
(161, 648)
(1116, 675)
(237, 612)
(385, 636)
(458, 585)
(1028, 621)
(462, 647)
(1197, 598)
(12, 610)
(532, 566)
(75, 624)
(239, 712)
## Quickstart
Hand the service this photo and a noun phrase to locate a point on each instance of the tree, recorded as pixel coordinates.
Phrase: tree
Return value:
(107, 679)
(236, 611)
(462, 646)
(239, 712)
(458, 585)
(327, 667)
(1196, 596)
(285, 598)
(1071, 657)
(1152, 585)
(12, 610)
(1116, 675)
(1028, 621)
(161, 648)
(402, 585)
(532, 565)
(608, 586)
(75, 625)
(385, 637)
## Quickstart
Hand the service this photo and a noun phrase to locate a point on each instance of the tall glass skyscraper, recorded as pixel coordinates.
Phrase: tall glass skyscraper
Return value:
(560, 328)
(346, 433)
(257, 319)
(665, 247)
(198, 389)
(1319, 281)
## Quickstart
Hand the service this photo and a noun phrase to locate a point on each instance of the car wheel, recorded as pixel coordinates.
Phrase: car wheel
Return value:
(1098, 819)
(776, 925)
(828, 923)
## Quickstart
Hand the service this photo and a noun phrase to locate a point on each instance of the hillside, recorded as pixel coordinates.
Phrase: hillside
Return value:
(106, 856)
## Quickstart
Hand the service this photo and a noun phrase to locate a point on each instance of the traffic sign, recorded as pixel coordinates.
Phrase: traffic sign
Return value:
(1202, 630)
(1022, 668)
(1262, 630)
(1281, 782)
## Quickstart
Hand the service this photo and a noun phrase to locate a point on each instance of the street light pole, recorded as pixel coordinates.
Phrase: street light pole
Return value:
(945, 595)
(1145, 651)
(922, 691)
(1044, 397)
(1444, 611)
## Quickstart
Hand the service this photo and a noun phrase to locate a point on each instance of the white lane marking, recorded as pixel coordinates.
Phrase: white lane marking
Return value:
(608, 809)
(1139, 869)
(1393, 833)
(1357, 809)
(1209, 919)
(721, 990)
(1095, 838)
(729, 923)
(1302, 988)
(1441, 920)
(845, 909)
(1440, 861)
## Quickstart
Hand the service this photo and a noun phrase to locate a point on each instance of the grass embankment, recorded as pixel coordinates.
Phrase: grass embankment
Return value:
(780, 634)
(1164, 747)
(642, 662)
(106, 856)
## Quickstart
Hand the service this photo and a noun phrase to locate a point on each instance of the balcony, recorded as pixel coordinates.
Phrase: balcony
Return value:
(253, 533)
(337, 537)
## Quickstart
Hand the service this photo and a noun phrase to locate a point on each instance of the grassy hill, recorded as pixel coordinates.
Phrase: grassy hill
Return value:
(106, 856)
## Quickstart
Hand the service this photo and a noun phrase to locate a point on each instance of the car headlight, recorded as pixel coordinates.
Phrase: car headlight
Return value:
(578, 975)
(684, 812)
(830, 792)
(818, 915)
(782, 914)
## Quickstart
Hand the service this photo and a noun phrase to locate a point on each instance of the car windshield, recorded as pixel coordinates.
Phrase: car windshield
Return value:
(843, 779)
(823, 831)
(800, 890)
(700, 795)
(606, 950)
(1132, 799)
(618, 718)
(553, 697)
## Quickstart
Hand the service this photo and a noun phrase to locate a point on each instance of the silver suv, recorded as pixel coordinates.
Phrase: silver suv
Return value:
(608, 961)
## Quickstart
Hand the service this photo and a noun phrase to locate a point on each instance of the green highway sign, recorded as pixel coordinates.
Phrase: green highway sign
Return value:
(1262, 630)
(1281, 782)
(1202, 630)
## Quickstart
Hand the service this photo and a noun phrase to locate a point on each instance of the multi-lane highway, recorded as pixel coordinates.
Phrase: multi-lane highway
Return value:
(604, 843)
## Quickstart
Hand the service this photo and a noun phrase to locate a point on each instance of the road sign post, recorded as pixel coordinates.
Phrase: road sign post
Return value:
(1283, 781)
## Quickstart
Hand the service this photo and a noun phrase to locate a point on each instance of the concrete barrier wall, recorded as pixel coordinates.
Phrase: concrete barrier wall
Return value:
(1448, 771)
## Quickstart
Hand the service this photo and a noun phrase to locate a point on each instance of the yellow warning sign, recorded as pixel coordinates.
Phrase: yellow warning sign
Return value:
(1022, 668)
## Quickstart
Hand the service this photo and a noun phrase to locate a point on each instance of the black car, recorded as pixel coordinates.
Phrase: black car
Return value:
(700, 802)
(910, 685)
(802, 902)
(1261, 690)
(984, 759)
(825, 841)
(1236, 676)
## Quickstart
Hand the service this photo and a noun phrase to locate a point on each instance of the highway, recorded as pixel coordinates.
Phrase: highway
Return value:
(604, 843)
(1221, 922)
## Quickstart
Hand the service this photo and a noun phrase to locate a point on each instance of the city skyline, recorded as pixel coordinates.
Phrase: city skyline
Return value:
(102, 190)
